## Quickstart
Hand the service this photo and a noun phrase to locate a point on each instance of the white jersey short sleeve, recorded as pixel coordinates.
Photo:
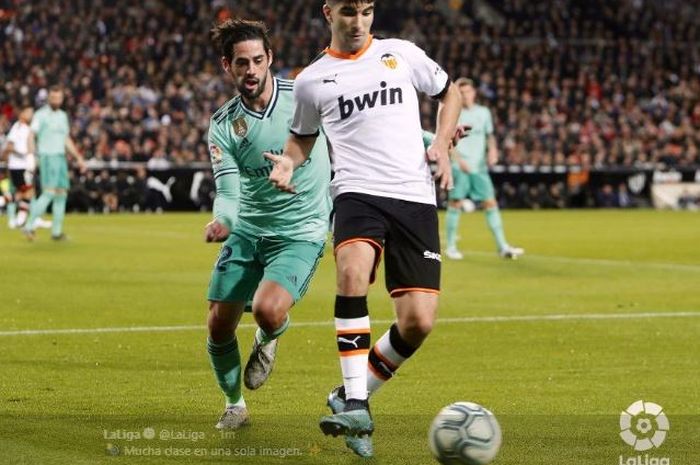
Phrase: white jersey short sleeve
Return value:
(307, 119)
(368, 106)
(19, 136)
(427, 76)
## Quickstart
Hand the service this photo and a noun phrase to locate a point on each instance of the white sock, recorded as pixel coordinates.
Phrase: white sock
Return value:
(240, 403)
(387, 355)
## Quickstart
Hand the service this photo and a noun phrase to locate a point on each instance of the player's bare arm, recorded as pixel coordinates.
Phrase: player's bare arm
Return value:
(296, 152)
(461, 132)
(31, 142)
(492, 155)
(9, 148)
(448, 113)
(73, 151)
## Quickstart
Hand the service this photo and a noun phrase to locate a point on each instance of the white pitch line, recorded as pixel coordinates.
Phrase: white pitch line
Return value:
(598, 261)
(329, 323)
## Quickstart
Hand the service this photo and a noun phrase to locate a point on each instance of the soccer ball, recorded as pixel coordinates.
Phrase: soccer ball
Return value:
(464, 433)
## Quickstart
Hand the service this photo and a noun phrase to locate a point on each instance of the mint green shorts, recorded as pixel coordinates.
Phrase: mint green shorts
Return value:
(476, 186)
(53, 172)
(245, 261)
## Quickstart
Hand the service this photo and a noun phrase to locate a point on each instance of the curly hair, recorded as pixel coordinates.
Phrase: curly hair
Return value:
(232, 31)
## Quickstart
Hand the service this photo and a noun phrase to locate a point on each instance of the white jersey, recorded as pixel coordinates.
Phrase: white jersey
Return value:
(368, 107)
(19, 136)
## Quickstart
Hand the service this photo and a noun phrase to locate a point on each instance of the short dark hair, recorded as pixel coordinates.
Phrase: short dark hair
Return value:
(335, 2)
(232, 31)
(56, 88)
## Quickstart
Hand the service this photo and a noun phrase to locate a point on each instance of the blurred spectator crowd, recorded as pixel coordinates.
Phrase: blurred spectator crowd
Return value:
(595, 84)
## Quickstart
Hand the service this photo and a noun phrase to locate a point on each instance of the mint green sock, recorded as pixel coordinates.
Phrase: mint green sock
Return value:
(493, 219)
(59, 214)
(226, 361)
(39, 208)
(261, 337)
(452, 226)
(12, 211)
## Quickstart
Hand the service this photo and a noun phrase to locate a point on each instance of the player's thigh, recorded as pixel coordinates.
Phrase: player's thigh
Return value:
(481, 187)
(356, 267)
(358, 219)
(17, 180)
(460, 187)
(291, 264)
(412, 251)
(63, 179)
(237, 271)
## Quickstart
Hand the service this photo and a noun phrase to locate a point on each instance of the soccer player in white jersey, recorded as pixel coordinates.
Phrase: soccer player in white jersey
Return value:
(19, 154)
(362, 90)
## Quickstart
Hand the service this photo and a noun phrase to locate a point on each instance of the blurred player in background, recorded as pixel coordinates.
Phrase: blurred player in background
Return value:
(5, 194)
(19, 156)
(363, 91)
(273, 241)
(52, 130)
(472, 156)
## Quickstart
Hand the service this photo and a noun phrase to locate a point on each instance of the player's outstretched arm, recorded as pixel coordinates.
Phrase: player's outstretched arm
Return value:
(226, 206)
(448, 113)
(296, 152)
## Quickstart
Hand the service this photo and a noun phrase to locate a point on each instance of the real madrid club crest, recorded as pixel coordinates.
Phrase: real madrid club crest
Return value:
(389, 61)
(215, 153)
(240, 127)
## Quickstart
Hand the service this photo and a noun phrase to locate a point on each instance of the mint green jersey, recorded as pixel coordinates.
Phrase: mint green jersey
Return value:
(51, 129)
(473, 147)
(246, 200)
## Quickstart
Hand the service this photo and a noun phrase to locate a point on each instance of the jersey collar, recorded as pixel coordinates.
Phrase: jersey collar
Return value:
(270, 105)
(350, 56)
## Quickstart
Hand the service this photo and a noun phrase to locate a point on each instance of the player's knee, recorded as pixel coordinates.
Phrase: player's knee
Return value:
(353, 279)
(490, 203)
(455, 204)
(219, 322)
(416, 328)
(270, 313)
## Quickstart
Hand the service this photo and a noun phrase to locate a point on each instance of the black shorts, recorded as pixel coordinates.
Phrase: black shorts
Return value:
(406, 231)
(21, 180)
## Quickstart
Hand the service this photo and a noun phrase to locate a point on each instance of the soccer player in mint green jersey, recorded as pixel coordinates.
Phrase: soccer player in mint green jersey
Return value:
(273, 241)
(472, 156)
(52, 131)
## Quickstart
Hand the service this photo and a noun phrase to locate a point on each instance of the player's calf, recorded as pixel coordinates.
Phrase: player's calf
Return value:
(271, 306)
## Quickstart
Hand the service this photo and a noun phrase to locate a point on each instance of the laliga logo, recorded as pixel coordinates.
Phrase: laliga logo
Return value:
(643, 425)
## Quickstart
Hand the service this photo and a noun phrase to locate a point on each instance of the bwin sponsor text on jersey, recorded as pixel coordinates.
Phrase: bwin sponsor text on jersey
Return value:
(382, 97)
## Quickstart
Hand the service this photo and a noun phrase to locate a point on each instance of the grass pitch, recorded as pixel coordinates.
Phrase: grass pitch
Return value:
(103, 360)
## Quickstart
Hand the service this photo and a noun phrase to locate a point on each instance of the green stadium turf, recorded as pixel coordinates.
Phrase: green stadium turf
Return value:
(603, 310)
